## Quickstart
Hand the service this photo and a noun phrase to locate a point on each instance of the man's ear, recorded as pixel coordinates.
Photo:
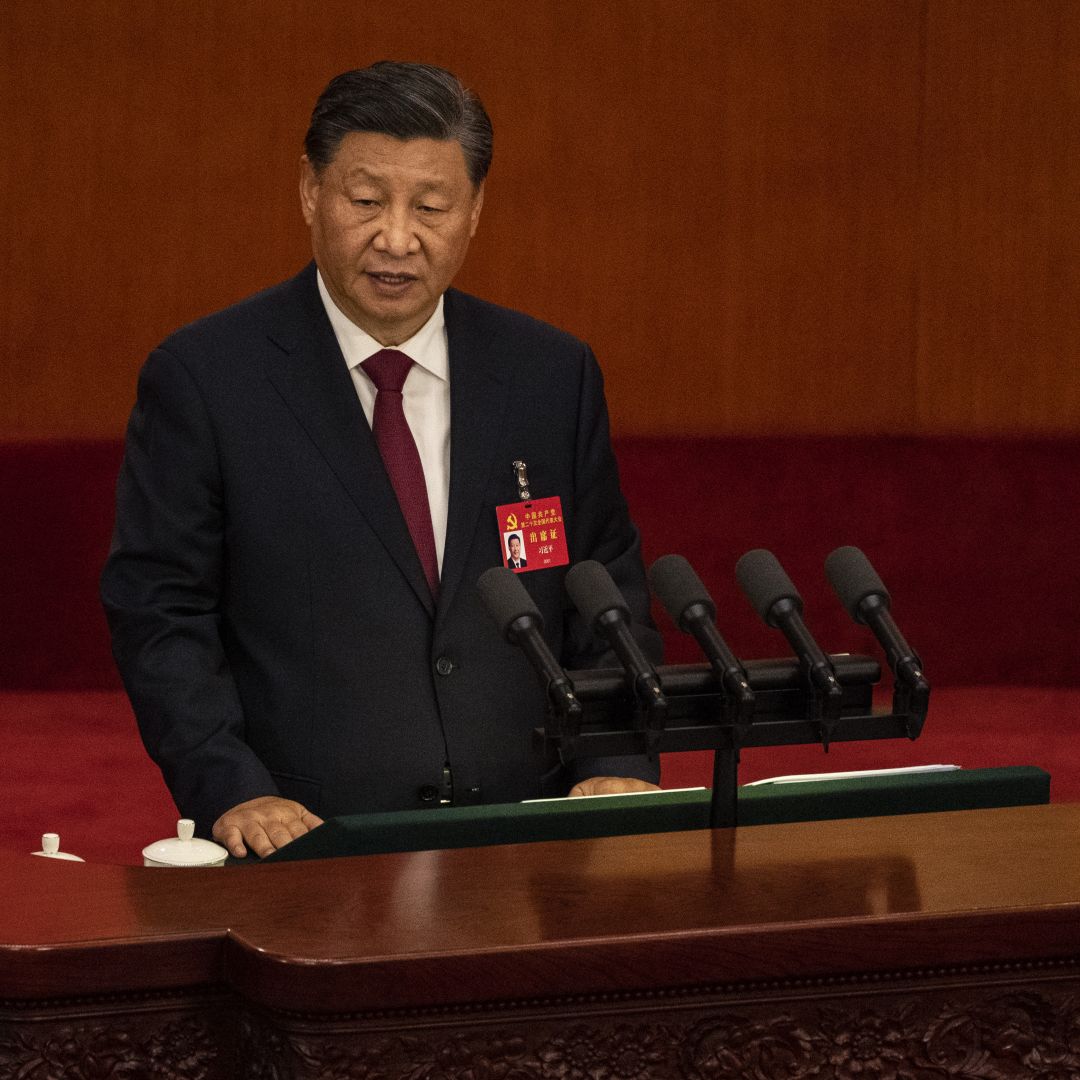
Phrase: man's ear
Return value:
(309, 189)
(478, 202)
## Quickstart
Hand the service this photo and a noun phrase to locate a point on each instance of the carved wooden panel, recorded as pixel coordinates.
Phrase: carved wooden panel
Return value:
(132, 1037)
(864, 1032)
(992, 1023)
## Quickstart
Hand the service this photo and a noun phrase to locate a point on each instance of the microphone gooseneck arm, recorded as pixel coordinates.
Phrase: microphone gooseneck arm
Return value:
(685, 598)
(524, 633)
(601, 605)
(774, 597)
(867, 601)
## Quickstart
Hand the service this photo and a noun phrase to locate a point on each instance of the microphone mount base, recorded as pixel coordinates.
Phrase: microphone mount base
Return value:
(614, 722)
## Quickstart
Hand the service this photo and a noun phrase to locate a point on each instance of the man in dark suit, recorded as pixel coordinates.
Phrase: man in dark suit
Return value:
(308, 498)
(513, 551)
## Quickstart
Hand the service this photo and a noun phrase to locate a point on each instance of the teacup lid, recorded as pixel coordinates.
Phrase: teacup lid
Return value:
(185, 849)
(50, 848)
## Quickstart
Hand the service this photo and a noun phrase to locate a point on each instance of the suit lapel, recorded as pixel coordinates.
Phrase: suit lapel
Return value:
(479, 380)
(311, 375)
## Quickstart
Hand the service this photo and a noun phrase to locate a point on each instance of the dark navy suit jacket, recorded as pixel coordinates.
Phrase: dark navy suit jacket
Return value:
(269, 613)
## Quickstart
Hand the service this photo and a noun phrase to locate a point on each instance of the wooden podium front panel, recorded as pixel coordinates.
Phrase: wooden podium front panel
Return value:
(948, 942)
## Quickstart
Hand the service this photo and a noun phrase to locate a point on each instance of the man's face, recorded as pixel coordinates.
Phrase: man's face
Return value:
(515, 548)
(391, 220)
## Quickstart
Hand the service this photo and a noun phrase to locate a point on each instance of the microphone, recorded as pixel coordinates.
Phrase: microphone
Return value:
(774, 597)
(519, 620)
(605, 611)
(687, 601)
(867, 601)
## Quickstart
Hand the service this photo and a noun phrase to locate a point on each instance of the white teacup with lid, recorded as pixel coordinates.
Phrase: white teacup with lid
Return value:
(184, 849)
(50, 849)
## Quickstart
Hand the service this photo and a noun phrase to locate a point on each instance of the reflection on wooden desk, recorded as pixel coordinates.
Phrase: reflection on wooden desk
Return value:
(920, 931)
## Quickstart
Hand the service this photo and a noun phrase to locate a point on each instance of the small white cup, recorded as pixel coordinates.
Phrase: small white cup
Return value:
(50, 849)
(184, 849)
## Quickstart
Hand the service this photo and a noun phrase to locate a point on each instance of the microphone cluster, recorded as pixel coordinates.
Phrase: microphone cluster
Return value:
(736, 704)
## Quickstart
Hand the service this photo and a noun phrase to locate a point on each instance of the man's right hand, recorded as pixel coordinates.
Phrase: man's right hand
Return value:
(266, 824)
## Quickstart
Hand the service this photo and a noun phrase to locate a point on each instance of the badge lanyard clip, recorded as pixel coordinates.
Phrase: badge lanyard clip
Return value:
(522, 481)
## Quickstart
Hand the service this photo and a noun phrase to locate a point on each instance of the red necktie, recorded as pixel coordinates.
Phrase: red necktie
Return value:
(387, 370)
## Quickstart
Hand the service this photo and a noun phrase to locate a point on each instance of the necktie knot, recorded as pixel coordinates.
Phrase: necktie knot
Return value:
(388, 370)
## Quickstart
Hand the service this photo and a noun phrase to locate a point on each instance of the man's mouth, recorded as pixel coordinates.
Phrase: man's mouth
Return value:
(385, 277)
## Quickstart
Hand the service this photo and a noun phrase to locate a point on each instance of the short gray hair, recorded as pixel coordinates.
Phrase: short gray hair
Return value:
(407, 101)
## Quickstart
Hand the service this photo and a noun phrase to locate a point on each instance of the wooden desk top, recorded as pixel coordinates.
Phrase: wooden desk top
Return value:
(612, 914)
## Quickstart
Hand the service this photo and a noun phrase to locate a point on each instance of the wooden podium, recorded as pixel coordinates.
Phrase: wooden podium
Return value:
(929, 945)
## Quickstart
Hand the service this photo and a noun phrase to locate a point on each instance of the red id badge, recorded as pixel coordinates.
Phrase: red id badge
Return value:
(532, 535)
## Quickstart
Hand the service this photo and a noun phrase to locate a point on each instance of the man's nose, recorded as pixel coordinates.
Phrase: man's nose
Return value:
(396, 235)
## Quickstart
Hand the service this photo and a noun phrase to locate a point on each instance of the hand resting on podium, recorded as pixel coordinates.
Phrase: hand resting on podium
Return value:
(266, 824)
(610, 785)
(270, 822)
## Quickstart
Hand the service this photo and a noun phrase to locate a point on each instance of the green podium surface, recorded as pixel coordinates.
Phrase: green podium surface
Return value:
(675, 811)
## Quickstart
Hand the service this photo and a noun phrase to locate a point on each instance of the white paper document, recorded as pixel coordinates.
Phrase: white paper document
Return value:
(806, 778)
(618, 794)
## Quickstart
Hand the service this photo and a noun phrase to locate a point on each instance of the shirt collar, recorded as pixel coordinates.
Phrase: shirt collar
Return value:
(427, 347)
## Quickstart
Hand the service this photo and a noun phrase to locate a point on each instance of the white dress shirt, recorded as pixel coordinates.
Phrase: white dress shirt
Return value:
(425, 396)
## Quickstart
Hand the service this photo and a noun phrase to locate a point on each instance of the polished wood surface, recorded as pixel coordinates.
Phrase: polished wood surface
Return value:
(932, 945)
(553, 918)
(765, 216)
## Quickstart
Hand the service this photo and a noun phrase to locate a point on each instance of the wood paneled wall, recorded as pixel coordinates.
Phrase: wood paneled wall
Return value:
(765, 215)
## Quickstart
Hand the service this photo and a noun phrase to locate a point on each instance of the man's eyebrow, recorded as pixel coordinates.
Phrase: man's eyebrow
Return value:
(362, 172)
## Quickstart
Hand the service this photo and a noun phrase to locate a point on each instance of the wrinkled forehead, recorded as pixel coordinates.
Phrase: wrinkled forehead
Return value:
(386, 159)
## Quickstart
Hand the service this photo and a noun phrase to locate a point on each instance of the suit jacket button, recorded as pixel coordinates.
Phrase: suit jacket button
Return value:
(444, 665)
(428, 793)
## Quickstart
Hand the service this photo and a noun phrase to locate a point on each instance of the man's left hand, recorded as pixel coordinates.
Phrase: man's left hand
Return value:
(610, 785)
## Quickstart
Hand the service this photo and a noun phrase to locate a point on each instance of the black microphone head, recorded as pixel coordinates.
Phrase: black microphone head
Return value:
(763, 582)
(854, 579)
(677, 587)
(593, 592)
(506, 599)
